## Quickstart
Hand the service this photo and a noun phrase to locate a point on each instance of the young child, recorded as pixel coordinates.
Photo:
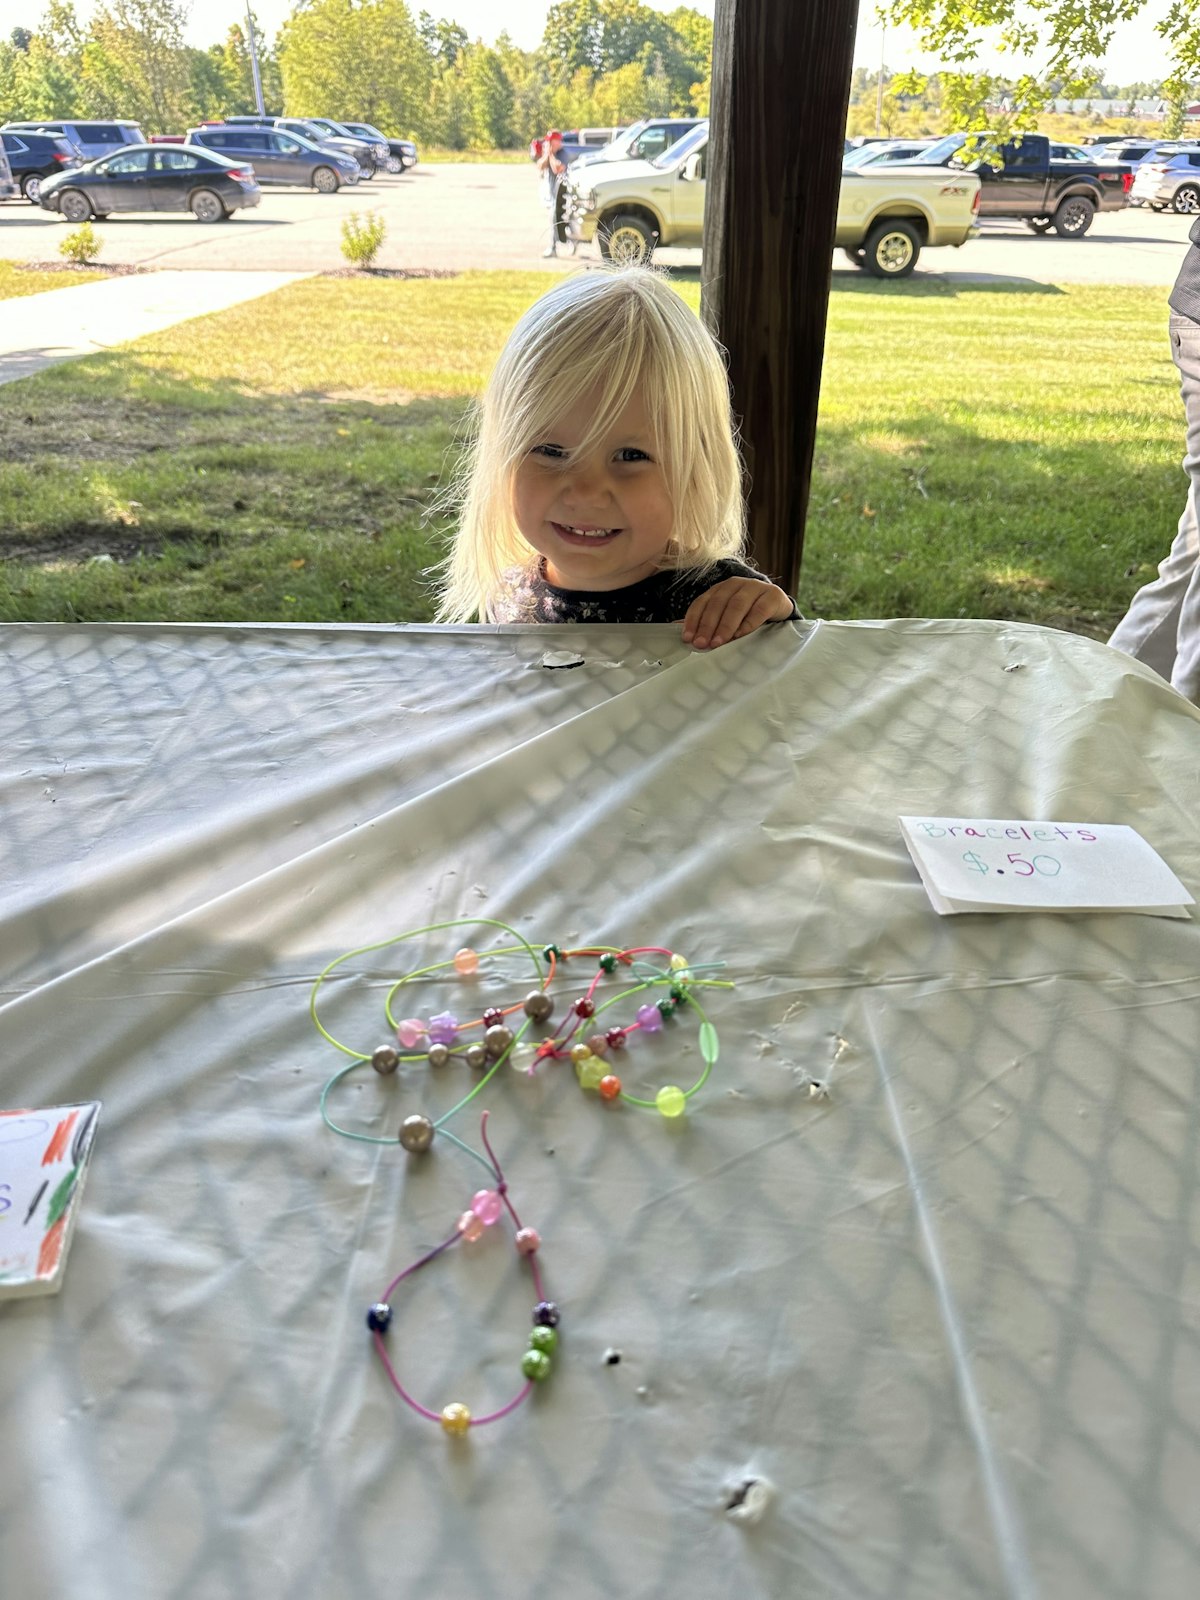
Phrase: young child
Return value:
(603, 483)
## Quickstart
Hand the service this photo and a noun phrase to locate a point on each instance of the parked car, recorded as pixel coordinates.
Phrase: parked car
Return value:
(310, 129)
(335, 131)
(1028, 183)
(402, 153)
(33, 157)
(279, 157)
(643, 141)
(91, 139)
(8, 189)
(152, 177)
(1169, 181)
(869, 155)
(886, 213)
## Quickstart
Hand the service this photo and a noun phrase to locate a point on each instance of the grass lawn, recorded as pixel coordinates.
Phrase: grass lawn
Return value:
(981, 453)
(15, 280)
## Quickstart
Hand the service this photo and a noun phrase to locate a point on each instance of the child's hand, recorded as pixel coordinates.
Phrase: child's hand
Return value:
(732, 609)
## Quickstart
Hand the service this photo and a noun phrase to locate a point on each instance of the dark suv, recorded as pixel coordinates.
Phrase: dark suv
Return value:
(34, 156)
(91, 139)
(279, 157)
(304, 128)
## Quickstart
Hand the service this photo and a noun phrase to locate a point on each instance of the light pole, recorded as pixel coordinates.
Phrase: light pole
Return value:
(879, 85)
(258, 99)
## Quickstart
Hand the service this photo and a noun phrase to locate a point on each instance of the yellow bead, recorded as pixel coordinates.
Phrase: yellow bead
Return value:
(672, 1102)
(680, 966)
(579, 1052)
(591, 1071)
(456, 1418)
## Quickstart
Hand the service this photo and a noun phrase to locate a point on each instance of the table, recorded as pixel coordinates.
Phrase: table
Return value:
(949, 1315)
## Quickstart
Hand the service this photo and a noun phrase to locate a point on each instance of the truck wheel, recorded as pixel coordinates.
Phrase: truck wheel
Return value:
(856, 257)
(1187, 199)
(1039, 224)
(627, 241)
(1074, 217)
(891, 249)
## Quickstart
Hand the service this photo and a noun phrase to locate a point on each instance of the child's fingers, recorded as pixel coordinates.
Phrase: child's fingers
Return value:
(724, 610)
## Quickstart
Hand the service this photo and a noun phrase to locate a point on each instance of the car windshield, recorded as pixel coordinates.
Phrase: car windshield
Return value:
(864, 155)
(616, 148)
(938, 154)
(696, 140)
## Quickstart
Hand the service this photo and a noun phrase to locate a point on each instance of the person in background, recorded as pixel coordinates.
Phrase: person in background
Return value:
(552, 166)
(1162, 625)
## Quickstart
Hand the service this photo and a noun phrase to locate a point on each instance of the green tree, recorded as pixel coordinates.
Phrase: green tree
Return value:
(449, 115)
(490, 98)
(529, 81)
(444, 40)
(362, 59)
(573, 40)
(134, 63)
(43, 84)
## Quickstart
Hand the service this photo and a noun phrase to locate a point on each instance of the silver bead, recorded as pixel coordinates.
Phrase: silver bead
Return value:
(438, 1055)
(476, 1056)
(538, 1005)
(384, 1059)
(416, 1134)
(497, 1039)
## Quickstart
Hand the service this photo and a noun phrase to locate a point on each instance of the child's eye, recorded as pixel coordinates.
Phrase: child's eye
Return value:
(552, 452)
(632, 453)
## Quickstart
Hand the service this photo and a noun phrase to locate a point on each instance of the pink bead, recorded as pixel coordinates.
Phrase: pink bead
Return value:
(598, 1044)
(410, 1032)
(487, 1206)
(528, 1240)
(466, 961)
(470, 1226)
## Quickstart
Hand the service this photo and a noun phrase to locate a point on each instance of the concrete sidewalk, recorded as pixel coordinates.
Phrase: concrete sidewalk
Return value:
(36, 331)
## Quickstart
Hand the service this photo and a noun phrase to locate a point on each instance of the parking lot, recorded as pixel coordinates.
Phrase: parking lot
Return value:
(462, 216)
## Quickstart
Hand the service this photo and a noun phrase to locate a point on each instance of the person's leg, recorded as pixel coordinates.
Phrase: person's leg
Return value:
(553, 204)
(1162, 625)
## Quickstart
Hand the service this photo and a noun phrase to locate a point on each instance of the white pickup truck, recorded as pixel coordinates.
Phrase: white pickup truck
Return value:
(885, 215)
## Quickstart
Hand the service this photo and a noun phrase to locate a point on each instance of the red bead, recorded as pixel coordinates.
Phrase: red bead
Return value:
(583, 1008)
(610, 1087)
(492, 1016)
(616, 1038)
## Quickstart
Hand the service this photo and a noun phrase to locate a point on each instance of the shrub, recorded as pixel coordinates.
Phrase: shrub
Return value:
(361, 239)
(82, 247)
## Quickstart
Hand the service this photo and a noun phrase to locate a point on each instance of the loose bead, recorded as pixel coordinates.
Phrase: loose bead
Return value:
(492, 1016)
(609, 1086)
(538, 1005)
(590, 1072)
(616, 1038)
(545, 1314)
(476, 1056)
(672, 1102)
(438, 1054)
(443, 1029)
(580, 1052)
(487, 1206)
(527, 1241)
(666, 1008)
(470, 1226)
(456, 1419)
(543, 1338)
(598, 1044)
(583, 1007)
(536, 1364)
(379, 1317)
(384, 1059)
(522, 1056)
(497, 1040)
(466, 961)
(608, 962)
(411, 1031)
(649, 1018)
(416, 1134)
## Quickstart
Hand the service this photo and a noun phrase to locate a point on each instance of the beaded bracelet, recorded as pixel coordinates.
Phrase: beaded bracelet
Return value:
(486, 1207)
(500, 1044)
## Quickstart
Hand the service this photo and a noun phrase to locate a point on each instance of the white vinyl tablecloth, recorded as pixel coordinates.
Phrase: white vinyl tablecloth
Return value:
(951, 1313)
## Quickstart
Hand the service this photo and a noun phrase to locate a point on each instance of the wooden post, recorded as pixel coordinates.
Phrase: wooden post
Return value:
(781, 83)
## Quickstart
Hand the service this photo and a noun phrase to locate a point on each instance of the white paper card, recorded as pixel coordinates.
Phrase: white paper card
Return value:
(43, 1161)
(990, 864)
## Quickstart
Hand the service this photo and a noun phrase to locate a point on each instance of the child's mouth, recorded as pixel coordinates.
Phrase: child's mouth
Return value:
(583, 535)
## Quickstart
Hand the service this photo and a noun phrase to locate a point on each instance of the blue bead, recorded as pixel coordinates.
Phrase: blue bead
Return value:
(378, 1318)
(545, 1314)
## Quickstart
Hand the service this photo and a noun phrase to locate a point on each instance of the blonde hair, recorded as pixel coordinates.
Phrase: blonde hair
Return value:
(634, 333)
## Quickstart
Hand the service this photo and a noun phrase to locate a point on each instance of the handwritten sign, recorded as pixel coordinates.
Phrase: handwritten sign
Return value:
(990, 864)
(43, 1162)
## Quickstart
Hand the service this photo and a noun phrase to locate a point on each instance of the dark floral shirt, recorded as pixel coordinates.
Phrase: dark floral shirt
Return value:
(527, 596)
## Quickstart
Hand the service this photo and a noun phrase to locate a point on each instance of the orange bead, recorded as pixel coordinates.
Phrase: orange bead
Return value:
(610, 1087)
(466, 962)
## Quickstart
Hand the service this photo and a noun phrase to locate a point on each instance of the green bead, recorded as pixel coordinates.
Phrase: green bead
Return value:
(543, 1339)
(590, 1071)
(608, 963)
(552, 950)
(535, 1364)
(677, 992)
(672, 1102)
(667, 1007)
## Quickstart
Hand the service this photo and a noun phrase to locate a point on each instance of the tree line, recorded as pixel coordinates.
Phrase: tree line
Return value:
(601, 63)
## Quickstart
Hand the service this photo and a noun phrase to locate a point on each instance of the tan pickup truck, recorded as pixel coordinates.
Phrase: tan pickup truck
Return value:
(885, 215)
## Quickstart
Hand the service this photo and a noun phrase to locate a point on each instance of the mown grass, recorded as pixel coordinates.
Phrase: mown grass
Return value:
(16, 280)
(982, 453)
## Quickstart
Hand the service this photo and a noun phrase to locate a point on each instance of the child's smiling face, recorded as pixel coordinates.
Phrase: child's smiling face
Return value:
(603, 520)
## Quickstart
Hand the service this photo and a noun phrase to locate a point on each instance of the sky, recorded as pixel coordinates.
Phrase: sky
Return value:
(1136, 53)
